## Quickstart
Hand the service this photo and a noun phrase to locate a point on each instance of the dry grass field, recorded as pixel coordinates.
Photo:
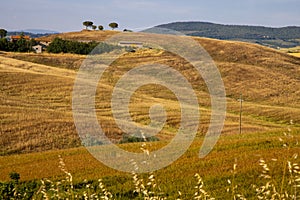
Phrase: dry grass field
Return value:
(295, 54)
(294, 51)
(67, 61)
(36, 107)
(37, 115)
(84, 35)
(36, 93)
(244, 150)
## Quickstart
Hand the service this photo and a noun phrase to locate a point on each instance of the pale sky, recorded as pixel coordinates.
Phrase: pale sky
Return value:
(68, 15)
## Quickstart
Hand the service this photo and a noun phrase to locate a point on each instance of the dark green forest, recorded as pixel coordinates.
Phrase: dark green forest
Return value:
(273, 37)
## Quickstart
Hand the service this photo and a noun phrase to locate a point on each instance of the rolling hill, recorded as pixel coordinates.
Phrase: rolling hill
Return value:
(272, 37)
(36, 92)
(84, 35)
(33, 33)
(37, 125)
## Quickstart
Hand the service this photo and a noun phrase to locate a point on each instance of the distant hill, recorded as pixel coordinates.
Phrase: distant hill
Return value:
(33, 33)
(40, 31)
(272, 37)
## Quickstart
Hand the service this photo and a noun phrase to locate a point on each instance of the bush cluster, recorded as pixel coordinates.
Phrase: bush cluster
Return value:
(59, 45)
(137, 138)
(21, 45)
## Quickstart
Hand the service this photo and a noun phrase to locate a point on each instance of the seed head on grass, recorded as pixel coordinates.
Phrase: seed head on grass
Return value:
(148, 190)
(43, 190)
(62, 167)
(200, 193)
(269, 190)
(106, 194)
(233, 187)
(287, 187)
(294, 178)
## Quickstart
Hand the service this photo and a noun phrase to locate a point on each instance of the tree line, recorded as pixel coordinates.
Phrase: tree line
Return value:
(20, 45)
(285, 37)
(90, 24)
(59, 45)
(220, 31)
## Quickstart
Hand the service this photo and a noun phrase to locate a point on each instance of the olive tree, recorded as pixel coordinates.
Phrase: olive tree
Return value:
(113, 25)
(87, 24)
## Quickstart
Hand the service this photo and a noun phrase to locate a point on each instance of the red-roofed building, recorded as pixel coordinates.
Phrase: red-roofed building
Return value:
(13, 38)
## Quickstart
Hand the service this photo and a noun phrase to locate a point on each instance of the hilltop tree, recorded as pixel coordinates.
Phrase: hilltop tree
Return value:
(94, 27)
(3, 33)
(87, 24)
(100, 27)
(113, 25)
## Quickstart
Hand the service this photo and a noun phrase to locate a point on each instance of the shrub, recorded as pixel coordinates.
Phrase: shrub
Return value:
(137, 138)
(59, 45)
(21, 45)
(14, 176)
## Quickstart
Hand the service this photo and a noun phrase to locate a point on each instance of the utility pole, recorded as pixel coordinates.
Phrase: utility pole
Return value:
(241, 110)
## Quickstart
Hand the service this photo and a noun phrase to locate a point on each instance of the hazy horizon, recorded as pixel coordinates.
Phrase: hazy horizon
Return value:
(66, 15)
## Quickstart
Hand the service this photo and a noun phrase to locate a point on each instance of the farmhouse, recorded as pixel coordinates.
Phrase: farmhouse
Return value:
(44, 43)
(131, 44)
(38, 48)
(14, 38)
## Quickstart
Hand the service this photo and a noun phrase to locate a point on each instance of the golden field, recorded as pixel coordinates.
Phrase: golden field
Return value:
(36, 121)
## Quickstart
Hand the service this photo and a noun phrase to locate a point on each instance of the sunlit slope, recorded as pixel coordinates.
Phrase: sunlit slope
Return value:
(36, 99)
(35, 107)
(260, 73)
(84, 35)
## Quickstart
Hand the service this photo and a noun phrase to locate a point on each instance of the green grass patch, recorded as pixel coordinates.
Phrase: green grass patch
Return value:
(216, 169)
